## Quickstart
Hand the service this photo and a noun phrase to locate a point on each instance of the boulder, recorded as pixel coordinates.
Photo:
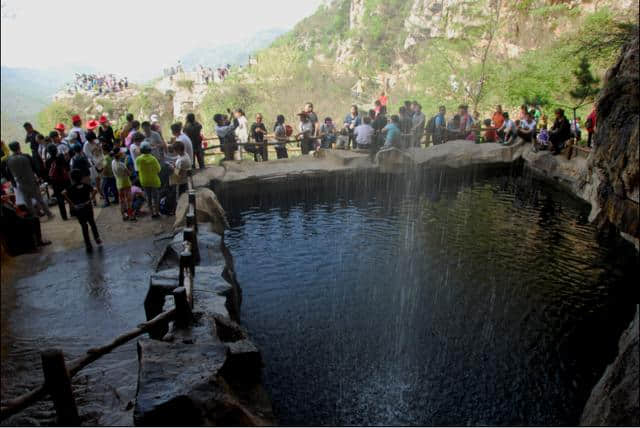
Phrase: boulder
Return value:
(208, 210)
(614, 399)
(182, 385)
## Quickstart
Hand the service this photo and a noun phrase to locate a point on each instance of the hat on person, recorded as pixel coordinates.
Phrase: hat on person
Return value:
(76, 118)
(145, 147)
(59, 127)
(153, 118)
(92, 124)
(103, 119)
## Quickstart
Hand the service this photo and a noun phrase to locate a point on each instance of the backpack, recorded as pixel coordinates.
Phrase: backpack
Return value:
(589, 123)
(57, 173)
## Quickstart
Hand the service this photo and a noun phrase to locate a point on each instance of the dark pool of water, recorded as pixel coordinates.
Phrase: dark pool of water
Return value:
(430, 299)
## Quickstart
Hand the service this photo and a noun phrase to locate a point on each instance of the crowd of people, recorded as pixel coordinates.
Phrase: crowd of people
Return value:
(128, 167)
(205, 75)
(136, 164)
(98, 84)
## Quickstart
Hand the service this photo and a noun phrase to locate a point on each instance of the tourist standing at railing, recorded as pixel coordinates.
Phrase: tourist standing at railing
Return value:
(313, 118)
(77, 134)
(259, 134)
(305, 134)
(242, 130)
(225, 130)
(193, 129)
(417, 124)
(280, 132)
(352, 120)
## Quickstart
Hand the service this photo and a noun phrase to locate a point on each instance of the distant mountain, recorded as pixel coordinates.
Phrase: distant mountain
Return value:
(235, 53)
(25, 92)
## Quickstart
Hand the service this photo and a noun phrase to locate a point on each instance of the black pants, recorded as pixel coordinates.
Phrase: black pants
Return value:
(85, 217)
(305, 145)
(57, 192)
(256, 150)
(175, 191)
(198, 154)
(589, 137)
(281, 152)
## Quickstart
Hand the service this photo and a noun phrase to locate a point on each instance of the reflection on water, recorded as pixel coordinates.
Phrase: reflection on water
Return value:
(442, 299)
(74, 301)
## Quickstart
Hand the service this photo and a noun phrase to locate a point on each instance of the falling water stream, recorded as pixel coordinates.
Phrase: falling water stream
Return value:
(431, 298)
(423, 298)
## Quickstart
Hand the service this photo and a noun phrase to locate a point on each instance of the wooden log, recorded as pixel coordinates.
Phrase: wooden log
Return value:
(58, 384)
(183, 307)
(13, 406)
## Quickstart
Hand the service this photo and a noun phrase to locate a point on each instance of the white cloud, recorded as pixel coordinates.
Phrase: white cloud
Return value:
(134, 37)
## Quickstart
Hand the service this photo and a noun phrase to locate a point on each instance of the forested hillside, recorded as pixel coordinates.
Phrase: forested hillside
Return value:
(479, 52)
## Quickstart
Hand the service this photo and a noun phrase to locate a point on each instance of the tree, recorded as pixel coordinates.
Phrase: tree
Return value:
(587, 85)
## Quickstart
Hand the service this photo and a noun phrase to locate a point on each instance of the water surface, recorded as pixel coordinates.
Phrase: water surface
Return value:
(429, 299)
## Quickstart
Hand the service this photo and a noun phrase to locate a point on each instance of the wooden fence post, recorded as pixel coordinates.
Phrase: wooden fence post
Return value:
(58, 385)
(192, 202)
(183, 307)
(190, 236)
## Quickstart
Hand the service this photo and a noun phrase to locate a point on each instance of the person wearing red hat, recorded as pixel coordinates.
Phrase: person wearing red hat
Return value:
(92, 124)
(77, 134)
(105, 132)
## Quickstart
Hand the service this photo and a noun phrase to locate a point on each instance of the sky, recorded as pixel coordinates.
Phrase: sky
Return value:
(133, 37)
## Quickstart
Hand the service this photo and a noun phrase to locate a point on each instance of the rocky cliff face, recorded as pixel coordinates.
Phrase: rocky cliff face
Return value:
(614, 164)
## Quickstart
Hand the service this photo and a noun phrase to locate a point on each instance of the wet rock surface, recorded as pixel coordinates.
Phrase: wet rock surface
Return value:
(614, 400)
(207, 372)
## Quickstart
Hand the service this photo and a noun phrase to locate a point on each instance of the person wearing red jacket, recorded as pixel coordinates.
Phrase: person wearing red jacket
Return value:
(590, 124)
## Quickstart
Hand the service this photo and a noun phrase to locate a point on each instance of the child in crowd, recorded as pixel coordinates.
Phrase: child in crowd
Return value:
(542, 140)
(79, 196)
(490, 134)
(123, 183)
(137, 198)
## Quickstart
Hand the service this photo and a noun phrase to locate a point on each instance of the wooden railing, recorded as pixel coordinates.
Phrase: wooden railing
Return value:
(58, 374)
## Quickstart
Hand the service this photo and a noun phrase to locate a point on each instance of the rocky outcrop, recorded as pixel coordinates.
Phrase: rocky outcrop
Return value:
(614, 399)
(207, 371)
(208, 210)
(614, 167)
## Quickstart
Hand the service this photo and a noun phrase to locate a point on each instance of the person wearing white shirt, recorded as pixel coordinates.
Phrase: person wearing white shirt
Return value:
(179, 178)
(527, 128)
(242, 130)
(176, 130)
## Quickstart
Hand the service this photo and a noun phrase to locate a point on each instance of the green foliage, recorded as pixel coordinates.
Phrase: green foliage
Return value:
(587, 84)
